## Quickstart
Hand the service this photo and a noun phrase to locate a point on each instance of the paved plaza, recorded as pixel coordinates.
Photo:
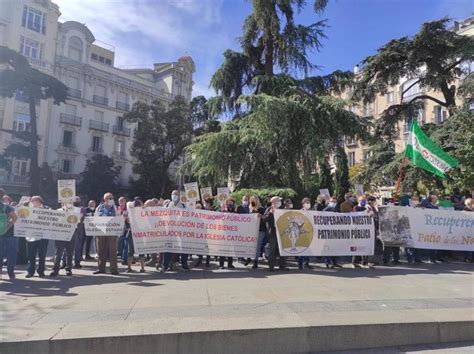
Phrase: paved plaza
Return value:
(207, 300)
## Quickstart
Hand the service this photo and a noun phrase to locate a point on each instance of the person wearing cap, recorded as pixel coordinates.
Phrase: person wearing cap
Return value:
(107, 244)
(36, 247)
(8, 243)
(269, 218)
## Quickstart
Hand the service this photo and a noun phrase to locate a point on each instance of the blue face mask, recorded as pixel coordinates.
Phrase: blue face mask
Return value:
(245, 203)
(230, 207)
(362, 203)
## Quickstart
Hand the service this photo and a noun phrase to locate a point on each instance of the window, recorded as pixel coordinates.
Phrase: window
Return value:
(67, 166)
(367, 154)
(351, 158)
(101, 59)
(94, 56)
(71, 109)
(30, 48)
(20, 168)
(67, 138)
(390, 97)
(119, 147)
(75, 48)
(108, 61)
(96, 144)
(122, 97)
(351, 141)
(99, 116)
(33, 20)
(440, 114)
(120, 123)
(21, 122)
(368, 109)
(410, 91)
(100, 90)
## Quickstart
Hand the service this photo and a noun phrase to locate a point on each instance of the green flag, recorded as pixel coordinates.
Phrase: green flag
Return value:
(426, 154)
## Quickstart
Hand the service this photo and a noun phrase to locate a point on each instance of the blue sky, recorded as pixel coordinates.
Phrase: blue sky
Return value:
(144, 32)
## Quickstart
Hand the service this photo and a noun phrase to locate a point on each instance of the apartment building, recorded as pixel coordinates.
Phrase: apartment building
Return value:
(90, 122)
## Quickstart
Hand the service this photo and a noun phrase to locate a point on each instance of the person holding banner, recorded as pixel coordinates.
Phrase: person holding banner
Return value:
(36, 247)
(79, 235)
(107, 244)
(89, 211)
(356, 260)
(128, 246)
(175, 203)
(269, 218)
(256, 208)
(67, 247)
(304, 260)
(331, 262)
(229, 208)
(469, 206)
(208, 205)
(8, 243)
(431, 202)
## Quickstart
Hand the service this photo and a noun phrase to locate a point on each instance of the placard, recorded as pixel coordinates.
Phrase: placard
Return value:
(222, 194)
(104, 225)
(66, 190)
(206, 193)
(325, 192)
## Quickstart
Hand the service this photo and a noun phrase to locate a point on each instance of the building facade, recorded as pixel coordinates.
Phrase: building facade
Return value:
(90, 122)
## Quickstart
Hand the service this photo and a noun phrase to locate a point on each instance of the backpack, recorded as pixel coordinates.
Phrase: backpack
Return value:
(3, 219)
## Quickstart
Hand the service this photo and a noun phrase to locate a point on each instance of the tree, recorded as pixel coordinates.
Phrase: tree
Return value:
(19, 76)
(431, 59)
(100, 176)
(342, 184)
(159, 140)
(281, 125)
(325, 177)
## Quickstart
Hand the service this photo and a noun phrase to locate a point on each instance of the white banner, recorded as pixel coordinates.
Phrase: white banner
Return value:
(104, 225)
(66, 190)
(319, 233)
(46, 223)
(194, 231)
(427, 228)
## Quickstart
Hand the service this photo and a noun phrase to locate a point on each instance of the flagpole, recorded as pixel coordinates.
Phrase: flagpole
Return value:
(400, 175)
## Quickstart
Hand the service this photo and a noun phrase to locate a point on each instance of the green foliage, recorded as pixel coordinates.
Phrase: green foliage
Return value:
(263, 193)
(99, 176)
(48, 184)
(325, 176)
(159, 140)
(342, 184)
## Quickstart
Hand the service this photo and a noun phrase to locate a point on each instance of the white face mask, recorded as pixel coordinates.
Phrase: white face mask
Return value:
(332, 204)
(290, 206)
(277, 205)
(110, 202)
(174, 198)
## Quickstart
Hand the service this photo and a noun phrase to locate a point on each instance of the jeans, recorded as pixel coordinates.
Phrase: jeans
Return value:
(121, 245)
(39, 247)
(66, 247)
(80, 237)
(260, 244)
(8, 248)
(167, 259)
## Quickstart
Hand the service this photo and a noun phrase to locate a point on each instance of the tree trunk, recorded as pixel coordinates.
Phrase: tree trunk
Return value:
(34, 168)
(269, 47)
(449, 95)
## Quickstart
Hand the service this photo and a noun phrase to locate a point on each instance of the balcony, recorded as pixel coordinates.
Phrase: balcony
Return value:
(70, 119)
(351, 142)
(21, 96)
(14, 180)
(38, 63)
(118, 130)
(75, 93)
(100, 126)
(119, 155)
(104, 101)
(122, 106)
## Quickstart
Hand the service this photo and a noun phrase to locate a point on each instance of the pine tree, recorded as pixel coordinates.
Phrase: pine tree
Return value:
(342, 184)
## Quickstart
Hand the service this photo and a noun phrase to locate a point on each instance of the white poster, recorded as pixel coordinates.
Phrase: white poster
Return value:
(104, 225)
(206, 193)
(359, 189)
(194, 231)
(192, 194)
(24, 199)
(66, 190)
(325, 192)
(222, 194)
(427, 228)
(46, 223)
(317, 233)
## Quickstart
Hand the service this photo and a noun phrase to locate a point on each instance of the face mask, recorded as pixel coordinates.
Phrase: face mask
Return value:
(332, 204)
(306, 206)
(290, 206)
(230, 207)
(278, 205)
(92, 208)
(245, 203)
(362, 203)
(253, 204)
(110, 202)
(174, 198)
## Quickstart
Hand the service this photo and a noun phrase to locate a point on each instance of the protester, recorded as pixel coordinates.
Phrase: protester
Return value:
(229, 208)
(356, 260)
(347, 204)
(303, 261)
(107, 245)
(8, 243)
(256, 208)
(431, 202)
(320, 203)
(208, 205)
(373, 209)
(244, 208)
(332, 262)
(174, 203)
(457, 199)
(79, 235)
(269, 218)
(66, 247)
(288, 203)
(129, 246)
(89, 211)
(405, 199)
(36, 247)
(122, 207)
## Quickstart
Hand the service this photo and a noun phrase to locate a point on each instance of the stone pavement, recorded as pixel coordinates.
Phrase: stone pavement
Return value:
(58, 309)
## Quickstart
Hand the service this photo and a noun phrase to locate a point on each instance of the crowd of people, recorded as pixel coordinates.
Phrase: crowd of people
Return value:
(69, 255)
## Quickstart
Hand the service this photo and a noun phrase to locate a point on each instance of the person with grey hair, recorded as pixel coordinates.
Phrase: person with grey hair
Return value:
(269, 218)
(36, 247)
